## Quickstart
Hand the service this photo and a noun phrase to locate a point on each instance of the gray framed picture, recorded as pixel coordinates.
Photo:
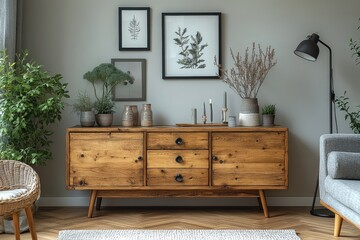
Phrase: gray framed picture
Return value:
(134, 28)
(131, 92)
(190, 41)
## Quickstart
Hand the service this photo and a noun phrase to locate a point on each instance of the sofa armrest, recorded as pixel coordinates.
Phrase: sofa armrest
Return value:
(344, 165)
(334, 142)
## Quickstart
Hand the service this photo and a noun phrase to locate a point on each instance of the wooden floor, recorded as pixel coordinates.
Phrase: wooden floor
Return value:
(49, 221)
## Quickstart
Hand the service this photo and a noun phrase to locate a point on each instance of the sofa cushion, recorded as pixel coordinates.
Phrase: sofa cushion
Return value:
(345, 191)
(344, 165)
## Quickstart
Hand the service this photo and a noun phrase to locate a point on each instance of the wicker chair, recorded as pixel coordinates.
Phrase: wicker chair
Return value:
(21, 178)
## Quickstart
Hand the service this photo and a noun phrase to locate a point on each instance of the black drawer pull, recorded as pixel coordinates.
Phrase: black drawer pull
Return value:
(179, 178)
(214, 158)
(179, 141)
(179, 159)
(140, 158)
(82, 183)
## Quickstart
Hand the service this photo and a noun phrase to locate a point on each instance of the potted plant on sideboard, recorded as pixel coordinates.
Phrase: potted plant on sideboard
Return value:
(246, 77)
(83, 105)
(107, 76)
(268, 114)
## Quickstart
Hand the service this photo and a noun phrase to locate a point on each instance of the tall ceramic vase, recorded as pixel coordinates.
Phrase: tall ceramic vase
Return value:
(249, 112)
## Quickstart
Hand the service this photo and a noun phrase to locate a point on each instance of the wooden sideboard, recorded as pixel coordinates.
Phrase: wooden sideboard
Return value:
(169, 161)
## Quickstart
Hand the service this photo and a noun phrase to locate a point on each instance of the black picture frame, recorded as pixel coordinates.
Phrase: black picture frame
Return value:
(180, 58)
(131, 92)
(134, 28)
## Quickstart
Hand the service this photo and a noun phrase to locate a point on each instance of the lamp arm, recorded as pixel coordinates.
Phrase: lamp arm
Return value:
(331, 87)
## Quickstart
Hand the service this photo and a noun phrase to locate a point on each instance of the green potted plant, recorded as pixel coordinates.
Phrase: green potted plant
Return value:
(83, 105)
(268, 114)
(107, 76)
(31, 99)
(342, 103)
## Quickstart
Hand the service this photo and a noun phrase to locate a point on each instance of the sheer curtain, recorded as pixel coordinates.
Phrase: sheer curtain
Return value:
(10, 24)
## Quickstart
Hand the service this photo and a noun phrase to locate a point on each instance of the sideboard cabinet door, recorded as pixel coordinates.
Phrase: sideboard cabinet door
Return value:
(106, 159)
(257, 159)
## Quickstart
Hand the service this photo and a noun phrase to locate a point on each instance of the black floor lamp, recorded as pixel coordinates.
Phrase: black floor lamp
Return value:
(309, 50)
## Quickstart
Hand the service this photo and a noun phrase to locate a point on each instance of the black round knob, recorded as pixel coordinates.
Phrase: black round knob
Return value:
(179, 141)
(179, 178)
(82, 183)
(214, 158)
(221, 161)
(140, 158)
(179, 159)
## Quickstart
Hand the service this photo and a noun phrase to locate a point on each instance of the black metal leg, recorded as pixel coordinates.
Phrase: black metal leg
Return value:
(323, 212)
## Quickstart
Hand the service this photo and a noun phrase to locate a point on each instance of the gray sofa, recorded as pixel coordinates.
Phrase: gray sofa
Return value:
(339, 177)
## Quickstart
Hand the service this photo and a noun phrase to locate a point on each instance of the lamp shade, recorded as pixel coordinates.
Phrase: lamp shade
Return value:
(308, 49)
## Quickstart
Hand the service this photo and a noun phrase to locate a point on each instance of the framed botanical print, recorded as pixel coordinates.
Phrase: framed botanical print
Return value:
(137, 70)
(134, 28)
(190, 42)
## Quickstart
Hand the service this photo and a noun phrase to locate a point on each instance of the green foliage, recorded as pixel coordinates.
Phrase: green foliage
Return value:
(343, 104)
(82, 103)
(355, 47)
(191, 53)
(108, 76)
(269, 109)
(30, 100)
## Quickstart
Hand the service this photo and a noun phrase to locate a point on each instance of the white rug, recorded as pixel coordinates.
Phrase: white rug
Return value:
(178, 235)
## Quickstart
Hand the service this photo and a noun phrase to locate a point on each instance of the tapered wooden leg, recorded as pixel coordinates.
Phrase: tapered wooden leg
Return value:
(15, 217)
(263, 203)
(338, 224)
(98, 203)
(31, 223)
(92, 203)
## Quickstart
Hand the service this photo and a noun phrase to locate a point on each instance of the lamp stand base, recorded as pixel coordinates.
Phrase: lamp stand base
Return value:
(322, 212)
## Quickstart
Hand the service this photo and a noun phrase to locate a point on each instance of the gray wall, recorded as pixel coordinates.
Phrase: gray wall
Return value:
(71, 37)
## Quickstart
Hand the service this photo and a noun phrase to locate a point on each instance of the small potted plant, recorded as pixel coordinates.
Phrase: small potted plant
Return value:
(84, 106)
(107, 76)
(268, 114)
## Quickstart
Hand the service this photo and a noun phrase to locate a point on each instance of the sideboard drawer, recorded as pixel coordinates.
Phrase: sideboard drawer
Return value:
(177, 177)
(178, 159)
(178, 140)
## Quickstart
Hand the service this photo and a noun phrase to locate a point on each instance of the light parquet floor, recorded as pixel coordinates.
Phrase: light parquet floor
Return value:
(49, 221)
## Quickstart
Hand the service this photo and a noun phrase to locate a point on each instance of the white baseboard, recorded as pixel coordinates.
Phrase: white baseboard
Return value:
(84, 202)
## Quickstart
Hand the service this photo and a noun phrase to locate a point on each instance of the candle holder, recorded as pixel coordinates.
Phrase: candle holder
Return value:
(204, 119)
(224, 115)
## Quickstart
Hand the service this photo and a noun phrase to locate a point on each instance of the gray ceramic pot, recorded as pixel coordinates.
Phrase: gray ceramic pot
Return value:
(87, 119)
(104, 120)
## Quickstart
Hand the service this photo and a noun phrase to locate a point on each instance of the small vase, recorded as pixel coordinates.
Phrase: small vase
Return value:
(146, 116)
(87, 119)
(104, 120)
(127, 117)
(135, 115)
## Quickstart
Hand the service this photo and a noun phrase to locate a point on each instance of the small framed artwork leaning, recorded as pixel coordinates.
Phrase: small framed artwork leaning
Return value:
(190, 41)
(134, 28)
(137, 70)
